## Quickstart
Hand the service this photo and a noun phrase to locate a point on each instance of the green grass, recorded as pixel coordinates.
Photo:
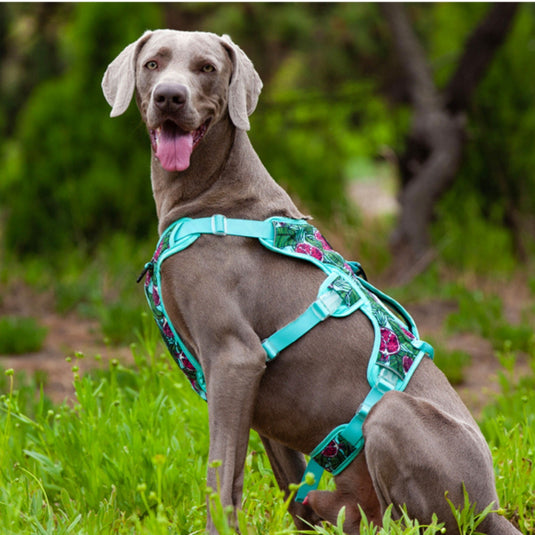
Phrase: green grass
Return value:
(129, 456)
(509, 425)
(20, 335)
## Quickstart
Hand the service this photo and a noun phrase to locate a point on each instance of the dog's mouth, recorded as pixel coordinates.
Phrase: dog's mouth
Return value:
(173, 146)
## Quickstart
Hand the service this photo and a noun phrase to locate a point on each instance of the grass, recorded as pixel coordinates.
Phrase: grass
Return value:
(129, 456)
(483, 314)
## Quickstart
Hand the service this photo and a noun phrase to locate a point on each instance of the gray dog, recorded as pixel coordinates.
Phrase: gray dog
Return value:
(226, 294)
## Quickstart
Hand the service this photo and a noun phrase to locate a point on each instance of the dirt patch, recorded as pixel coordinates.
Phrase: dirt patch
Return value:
(67, 335)
(481, 377)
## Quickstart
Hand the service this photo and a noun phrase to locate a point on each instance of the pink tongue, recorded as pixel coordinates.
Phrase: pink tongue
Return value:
(174, 149)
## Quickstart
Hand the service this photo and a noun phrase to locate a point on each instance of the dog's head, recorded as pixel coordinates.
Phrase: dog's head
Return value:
(185, 82)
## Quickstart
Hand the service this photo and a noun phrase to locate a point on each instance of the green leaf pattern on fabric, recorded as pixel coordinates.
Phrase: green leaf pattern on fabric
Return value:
(337, 452)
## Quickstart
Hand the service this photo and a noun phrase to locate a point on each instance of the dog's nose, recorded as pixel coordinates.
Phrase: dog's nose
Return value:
(170, 98)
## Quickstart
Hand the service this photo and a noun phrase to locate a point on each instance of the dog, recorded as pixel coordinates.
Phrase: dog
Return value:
(226, 294)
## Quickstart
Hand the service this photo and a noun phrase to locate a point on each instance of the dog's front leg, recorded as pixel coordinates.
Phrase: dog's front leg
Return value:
(232, 378)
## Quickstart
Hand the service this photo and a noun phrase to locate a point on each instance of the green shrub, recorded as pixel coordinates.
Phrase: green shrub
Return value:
(453, 364)
(483, 314)
(20, 335)
(71, 174)
(470, 241)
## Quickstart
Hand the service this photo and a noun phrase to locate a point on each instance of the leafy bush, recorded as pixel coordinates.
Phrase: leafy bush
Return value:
(20, 335)
(71, 174)
(306, 139)
(472, 241)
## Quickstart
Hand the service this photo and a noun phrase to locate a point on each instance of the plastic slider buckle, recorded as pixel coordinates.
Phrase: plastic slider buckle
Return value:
(386, 381)
(219, 225)
(353, 430)
(326, 305)
(362, 412)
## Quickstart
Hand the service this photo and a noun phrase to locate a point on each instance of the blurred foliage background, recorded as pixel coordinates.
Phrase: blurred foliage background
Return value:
(332, 109)
(76, 210)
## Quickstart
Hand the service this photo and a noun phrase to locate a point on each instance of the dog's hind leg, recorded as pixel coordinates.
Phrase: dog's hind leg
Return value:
(417, 453)
(354, 488)
(288, 467)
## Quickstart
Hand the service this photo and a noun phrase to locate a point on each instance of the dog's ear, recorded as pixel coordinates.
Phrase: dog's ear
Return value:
(119, 80)
(245, 86)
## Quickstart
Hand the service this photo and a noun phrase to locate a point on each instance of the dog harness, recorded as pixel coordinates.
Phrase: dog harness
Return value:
(397, 348)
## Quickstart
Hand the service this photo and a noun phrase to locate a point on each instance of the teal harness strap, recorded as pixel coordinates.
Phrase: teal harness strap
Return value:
(397, 349)
(219, 225)
(325, 306)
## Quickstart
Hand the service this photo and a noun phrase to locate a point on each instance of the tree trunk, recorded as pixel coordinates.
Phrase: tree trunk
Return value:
(436, 138)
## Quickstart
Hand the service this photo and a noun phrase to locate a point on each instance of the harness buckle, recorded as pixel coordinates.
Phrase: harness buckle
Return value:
(218, 224)
(387, 380)
(326, 305)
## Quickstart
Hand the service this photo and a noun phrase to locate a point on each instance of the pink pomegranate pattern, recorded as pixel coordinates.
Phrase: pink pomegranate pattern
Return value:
(337, 452)
(396, 350)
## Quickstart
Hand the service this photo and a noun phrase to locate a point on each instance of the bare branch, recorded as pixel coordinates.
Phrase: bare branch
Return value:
(479, 51)
(411, 55)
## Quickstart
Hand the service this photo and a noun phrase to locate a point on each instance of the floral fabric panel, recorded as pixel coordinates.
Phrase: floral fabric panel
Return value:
(338, 452)
(301, 239)
(169, 336)
(396, 350)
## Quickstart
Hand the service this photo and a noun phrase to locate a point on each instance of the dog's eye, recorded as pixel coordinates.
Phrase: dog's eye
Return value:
(151, 65)
(208, 68)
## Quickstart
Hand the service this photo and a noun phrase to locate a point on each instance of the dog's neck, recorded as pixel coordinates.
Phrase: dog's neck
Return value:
(225, 177)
